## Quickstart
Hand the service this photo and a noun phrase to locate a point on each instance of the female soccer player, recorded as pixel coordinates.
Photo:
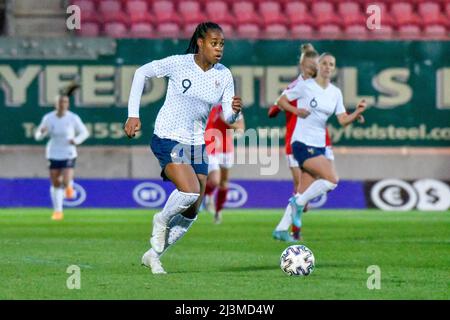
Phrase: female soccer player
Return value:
(219, 140)
(308, 69)
(66, 131)
(197, 81)
(317, 99)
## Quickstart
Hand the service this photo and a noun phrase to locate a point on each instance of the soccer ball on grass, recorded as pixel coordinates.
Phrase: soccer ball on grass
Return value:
(297, 260)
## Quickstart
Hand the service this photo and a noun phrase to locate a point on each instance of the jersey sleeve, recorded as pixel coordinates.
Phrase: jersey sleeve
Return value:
(227, 98)
(156, 68)
(38, 134)
(81, 131)
(295, 92)
(339, 104)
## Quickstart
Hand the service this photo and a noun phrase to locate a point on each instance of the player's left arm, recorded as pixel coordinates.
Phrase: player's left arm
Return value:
(231, 104)
(345, 119)
(82, 133)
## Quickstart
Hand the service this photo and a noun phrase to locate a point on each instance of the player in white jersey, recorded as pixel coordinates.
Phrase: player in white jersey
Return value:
(197, 81)
(65, 130)
(317, 100)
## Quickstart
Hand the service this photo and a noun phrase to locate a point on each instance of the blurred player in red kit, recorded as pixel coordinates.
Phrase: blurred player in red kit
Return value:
(220, 148)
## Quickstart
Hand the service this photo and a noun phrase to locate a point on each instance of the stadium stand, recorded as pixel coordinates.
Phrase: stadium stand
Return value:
(273, 19)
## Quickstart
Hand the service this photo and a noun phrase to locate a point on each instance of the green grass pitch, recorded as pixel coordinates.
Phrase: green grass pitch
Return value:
(235, 260)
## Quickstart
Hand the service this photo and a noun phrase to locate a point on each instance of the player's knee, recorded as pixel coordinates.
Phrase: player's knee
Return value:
(189, 198)
(334, 180)
(57, 184)
(223, 184)
(331, 184)
(190, 188)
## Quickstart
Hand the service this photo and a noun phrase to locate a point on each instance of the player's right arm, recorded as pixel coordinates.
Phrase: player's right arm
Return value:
(42, 130)
(156, 68)
(291, 95)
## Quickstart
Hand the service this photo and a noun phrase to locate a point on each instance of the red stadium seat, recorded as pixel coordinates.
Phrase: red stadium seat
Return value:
(354, 20)
(85, 5)
(329, 31)
(141, 30)
(191, 14)
(169, 30)
(401, 8)
(141, 17)
(218, 11)
(248, 31)
(346, 8)
(164, 12)
(265, 7)
(385, 32)
(447, 10)
(328, 18)
(136, 6)
(216, 7)
(428, 8)
(115, 29)
(228, 30)
(292, 8)
(270, 12)
(163, 6)
(188, 7)
(322, 7)
(89, 29)
(302, 31)
(301, 20)
(119, 17)
(276, 31)
(435, 31)
(107, 7)
(356, 32)
(244, 11)
(409, 31)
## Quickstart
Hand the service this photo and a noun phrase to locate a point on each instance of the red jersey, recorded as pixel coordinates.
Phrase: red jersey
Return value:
(218, 140)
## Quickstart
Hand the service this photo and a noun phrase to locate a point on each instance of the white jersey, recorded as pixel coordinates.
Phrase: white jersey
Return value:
(61, 130)
(191, 93)
(322, 103)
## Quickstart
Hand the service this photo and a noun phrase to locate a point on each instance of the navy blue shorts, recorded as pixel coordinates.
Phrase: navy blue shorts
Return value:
(171, 151)
(61, 164)
(303, 152)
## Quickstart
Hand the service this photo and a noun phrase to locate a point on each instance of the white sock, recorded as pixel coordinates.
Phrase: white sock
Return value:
(286, 220)
(178, 202)
(58, 198)
(178, 226)
(53, 197)
(317, 188)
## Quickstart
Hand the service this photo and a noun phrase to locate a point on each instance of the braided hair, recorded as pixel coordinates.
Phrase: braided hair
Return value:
(200, 32)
